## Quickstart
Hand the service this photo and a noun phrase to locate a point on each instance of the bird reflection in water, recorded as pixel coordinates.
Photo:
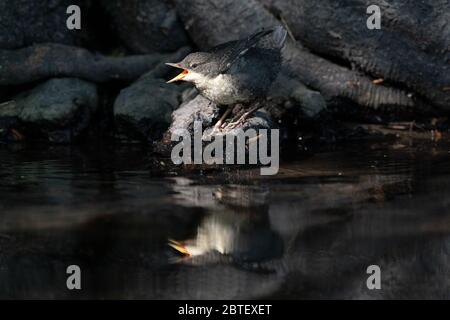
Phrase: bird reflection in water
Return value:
(239, 234)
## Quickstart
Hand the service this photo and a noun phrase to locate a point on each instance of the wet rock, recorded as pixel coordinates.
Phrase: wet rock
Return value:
(202, 110)
(58, 110)
(142, 111)
(27, 22)
(8, 109)
(207, 112)
(197, 109)
(147, 25)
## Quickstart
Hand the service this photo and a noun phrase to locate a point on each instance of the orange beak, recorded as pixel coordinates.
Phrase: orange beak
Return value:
(181, 75)
(179, 247)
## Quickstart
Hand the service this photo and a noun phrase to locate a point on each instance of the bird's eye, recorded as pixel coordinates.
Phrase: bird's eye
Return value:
(194, 65)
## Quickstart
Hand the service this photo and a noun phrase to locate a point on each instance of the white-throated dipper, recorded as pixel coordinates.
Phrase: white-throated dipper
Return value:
(243, 237)
(240, 71)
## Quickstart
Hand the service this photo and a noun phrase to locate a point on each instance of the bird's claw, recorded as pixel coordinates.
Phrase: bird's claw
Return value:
(233, 125)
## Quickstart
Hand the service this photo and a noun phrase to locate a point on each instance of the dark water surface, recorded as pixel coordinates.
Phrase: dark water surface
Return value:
(309, 232)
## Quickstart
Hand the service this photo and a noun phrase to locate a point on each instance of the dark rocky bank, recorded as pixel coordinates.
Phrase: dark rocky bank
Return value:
(340, 80)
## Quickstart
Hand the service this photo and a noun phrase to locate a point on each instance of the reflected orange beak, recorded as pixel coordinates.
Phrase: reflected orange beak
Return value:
(181, 75)
(179, 247)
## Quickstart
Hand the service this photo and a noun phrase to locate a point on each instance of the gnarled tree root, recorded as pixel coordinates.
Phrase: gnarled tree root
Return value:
(45, 61)
(211, 22)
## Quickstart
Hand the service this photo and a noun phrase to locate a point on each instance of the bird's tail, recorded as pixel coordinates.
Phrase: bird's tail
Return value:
(279, 36)
(273, 38)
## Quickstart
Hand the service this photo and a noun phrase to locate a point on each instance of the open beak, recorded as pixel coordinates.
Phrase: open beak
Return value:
(181, 75)
(179, 247)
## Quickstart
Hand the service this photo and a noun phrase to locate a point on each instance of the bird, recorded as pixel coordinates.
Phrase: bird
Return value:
(231, 237)
(235, 72)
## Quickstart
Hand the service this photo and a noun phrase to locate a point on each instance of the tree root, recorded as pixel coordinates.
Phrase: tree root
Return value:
(45, 61)
(211, 22)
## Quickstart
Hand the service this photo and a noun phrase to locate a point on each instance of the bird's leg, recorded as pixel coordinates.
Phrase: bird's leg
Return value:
(217, 127)
(234, 124)
(219, 123)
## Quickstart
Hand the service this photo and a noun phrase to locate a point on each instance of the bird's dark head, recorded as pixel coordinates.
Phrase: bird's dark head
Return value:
(195, 67)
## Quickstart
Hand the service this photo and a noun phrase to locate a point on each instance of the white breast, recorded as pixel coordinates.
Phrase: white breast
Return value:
(221, 89)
